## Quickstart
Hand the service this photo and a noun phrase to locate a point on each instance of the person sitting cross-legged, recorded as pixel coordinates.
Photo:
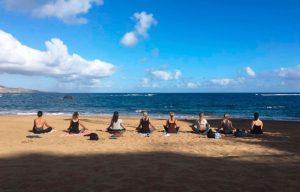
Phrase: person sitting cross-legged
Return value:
(202, 125)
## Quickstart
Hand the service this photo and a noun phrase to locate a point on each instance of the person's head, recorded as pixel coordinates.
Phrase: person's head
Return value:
(145, 115)
(226, 115)
(256, 115)
(115, 116)
(40, 113)
(172, 115)
(201, 115)
(75, 115)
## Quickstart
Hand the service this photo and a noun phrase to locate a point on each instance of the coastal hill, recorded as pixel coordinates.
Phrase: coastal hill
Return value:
(4, 89)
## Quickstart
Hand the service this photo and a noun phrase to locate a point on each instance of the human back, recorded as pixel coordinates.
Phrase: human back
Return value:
(38, 125)
(257, 125)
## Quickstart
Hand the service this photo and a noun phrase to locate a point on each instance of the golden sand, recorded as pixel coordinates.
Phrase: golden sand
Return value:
(181, 162)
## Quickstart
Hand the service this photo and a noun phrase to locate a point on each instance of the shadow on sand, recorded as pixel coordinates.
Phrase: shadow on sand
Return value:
(153, 171)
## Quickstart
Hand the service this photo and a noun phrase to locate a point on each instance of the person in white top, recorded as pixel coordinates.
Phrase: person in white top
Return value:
(115, 124)
(202, 125)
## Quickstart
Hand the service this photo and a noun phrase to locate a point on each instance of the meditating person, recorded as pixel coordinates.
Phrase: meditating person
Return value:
(74, 124)
(145, 122)
(226, 125)
(115, 124)
(38, 124)
(257, 125)
(202, 125)
(171, 124)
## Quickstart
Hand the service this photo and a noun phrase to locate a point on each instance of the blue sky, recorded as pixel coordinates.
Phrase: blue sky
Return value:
(150, 45)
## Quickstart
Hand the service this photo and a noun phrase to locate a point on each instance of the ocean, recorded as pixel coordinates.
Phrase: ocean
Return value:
(270, 106)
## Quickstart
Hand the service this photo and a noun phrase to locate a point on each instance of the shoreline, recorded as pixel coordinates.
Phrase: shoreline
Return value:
(157, 118)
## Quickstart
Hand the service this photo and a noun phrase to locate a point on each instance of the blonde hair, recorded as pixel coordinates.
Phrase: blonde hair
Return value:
(75, 115)
(172, 114)
(201, 114)
(226, 115)
(145, 115)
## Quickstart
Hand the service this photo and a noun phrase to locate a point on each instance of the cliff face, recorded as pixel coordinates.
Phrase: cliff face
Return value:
(16, 90)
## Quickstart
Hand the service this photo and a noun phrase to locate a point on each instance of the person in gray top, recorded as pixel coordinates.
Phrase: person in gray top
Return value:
(202, 125)
(226, 125)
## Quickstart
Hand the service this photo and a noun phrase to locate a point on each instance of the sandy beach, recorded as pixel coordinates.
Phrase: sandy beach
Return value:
(181, 162)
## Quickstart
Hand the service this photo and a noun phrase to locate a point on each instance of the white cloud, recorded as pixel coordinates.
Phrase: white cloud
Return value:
(223, 82)
(144, 22)
(66, 10)
(94, 83)
(162, 75)
(145, 82)
(193, 85)
(129, 39)
(287, 73)
(56, 62)
(165, 75)
(249, 71)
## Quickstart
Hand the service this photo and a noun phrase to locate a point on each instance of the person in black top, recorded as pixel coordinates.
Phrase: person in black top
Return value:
(171, 124)
(74, 124)
(145, 122)
(257, 125)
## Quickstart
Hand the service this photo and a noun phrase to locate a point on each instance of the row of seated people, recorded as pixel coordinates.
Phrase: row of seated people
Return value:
(171, 126)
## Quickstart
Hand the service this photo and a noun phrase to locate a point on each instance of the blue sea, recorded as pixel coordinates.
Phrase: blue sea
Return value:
(185, 105)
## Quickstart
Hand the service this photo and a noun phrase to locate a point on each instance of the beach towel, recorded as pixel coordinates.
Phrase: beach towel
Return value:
(76, 134)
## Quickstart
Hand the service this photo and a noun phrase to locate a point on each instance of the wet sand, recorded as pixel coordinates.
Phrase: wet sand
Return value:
(181, 162)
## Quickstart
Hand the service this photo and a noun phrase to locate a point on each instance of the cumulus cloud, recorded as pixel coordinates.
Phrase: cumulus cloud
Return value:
(223, 81)
(287, 73)
(189, 85)
(144, 22)
(145, 82)
(56, 62)
(162, 75)
(249, 71)
(130, 39)
(66, 10)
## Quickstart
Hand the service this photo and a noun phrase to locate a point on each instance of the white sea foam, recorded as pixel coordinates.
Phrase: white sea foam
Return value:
(280, 94)
(28, 113)
(139, 111)
(276, 107)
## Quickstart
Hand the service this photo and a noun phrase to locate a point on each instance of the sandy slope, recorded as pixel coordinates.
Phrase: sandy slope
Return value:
(133, 163)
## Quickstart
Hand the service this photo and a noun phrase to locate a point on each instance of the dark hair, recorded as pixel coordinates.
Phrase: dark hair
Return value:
(115, 116)
(39, 113)
(75, 115)
(256, 115)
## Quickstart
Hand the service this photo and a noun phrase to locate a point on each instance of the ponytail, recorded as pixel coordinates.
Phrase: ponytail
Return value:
(145, 115)
(115, 117)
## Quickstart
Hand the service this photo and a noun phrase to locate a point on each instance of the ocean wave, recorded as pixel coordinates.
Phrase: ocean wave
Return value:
(26, 113)
(140, 111)
(134, 95)
(280, 94)
(276, 107)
